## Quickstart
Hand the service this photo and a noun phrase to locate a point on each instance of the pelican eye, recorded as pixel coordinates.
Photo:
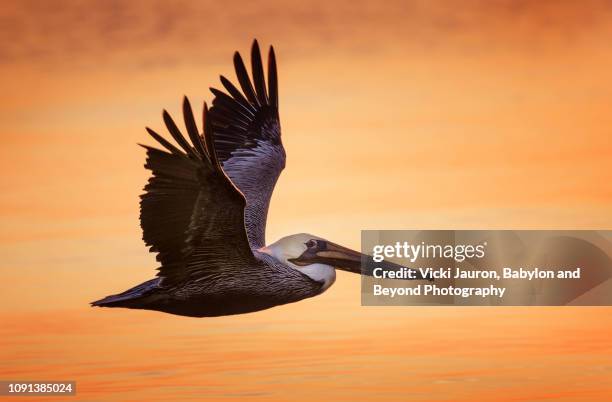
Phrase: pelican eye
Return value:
(311, 243)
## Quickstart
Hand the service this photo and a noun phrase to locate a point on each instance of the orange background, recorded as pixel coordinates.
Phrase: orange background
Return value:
(407, 115)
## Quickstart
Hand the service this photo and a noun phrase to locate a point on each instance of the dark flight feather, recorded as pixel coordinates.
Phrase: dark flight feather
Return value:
(208, 134)
(237, 95)
(176, 134)
(192, 129)
(244, 80)
(166, 144)
(258, 74)
(272, 79)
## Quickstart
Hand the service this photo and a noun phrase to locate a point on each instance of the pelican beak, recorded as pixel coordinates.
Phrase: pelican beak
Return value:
(340, 257)
(345, 259)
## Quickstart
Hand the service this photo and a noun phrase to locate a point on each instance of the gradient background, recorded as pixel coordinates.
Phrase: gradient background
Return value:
(407, 115)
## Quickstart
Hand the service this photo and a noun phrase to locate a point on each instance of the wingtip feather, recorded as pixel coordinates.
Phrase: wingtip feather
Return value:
(258, 74)
(272, 78)
(176, 134)
(244, 79)
(192, 128)
(208, 137)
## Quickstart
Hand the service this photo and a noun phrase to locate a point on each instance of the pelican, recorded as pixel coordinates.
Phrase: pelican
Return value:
(205, 206)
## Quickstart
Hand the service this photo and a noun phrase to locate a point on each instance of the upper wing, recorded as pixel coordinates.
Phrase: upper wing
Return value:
(248, 139)
(191, 214)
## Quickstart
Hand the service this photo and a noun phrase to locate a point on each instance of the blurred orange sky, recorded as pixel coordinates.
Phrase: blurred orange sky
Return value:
(395, 115)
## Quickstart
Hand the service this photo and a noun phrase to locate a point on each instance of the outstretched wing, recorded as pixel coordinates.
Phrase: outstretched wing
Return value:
(191, 214)
(248, 139)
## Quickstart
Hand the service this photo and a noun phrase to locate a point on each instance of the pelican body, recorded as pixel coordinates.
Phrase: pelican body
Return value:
(205, 206)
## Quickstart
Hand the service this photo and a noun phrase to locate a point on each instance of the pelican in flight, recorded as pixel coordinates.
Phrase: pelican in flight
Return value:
(205, 206)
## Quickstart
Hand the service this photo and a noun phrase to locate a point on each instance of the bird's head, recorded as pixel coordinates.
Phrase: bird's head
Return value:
(315, 257)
